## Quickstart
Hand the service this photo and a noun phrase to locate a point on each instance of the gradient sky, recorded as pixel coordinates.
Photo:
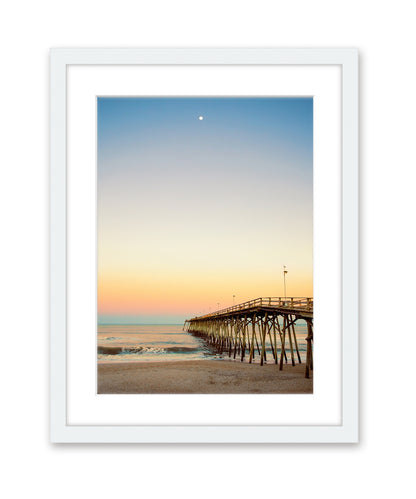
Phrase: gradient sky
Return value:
(192, 212)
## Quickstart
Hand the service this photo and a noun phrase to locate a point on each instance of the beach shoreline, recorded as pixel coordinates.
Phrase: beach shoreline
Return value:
(201, 377)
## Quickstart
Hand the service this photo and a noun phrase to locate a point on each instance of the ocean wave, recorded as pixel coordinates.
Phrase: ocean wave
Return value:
(119, 350)
(182, 349)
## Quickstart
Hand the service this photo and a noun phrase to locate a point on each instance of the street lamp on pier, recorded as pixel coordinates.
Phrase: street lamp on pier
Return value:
(284, 279)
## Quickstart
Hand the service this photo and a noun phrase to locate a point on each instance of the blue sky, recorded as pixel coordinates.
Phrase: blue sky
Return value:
(193, 211)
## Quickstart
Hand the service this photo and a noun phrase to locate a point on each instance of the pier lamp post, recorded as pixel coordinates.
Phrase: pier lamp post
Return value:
(218, 305)
(233, 300)
(284, 279)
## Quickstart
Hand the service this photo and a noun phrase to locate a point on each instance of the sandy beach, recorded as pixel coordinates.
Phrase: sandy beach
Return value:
(201, 376)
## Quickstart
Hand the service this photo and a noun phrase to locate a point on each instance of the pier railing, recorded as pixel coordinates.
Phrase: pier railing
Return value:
(293, 303)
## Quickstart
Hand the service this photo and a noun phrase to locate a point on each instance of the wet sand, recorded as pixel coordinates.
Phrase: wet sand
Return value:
(201, 376)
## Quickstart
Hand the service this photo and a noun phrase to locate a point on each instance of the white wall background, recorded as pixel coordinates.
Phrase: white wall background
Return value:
(382, 465)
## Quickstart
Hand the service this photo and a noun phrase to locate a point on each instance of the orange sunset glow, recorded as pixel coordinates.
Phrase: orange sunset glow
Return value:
(193, 213)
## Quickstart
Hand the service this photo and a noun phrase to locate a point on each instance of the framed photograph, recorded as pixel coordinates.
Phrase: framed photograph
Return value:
(204, 245)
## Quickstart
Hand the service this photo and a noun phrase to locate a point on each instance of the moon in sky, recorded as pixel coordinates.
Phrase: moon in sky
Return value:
(200, 118)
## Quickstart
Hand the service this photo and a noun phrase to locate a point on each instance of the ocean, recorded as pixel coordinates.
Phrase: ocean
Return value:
(157, 343)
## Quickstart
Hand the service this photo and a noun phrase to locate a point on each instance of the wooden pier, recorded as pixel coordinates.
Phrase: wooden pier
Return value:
(244, 330)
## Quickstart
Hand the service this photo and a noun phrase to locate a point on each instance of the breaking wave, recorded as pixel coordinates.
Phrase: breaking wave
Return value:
(119, 350)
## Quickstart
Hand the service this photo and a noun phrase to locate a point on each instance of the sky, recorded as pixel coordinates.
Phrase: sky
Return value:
(191, 212)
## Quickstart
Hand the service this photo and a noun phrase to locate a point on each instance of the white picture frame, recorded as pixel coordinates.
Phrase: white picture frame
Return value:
(62, 431)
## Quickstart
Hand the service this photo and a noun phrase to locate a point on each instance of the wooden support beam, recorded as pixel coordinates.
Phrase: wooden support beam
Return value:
(283, 354)
(290, 342)
(243, 346)
(275, 339)
(269, 328)
(296, 342)
(282, 350)
(309, 339)
(263, 340)
(253, 333)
